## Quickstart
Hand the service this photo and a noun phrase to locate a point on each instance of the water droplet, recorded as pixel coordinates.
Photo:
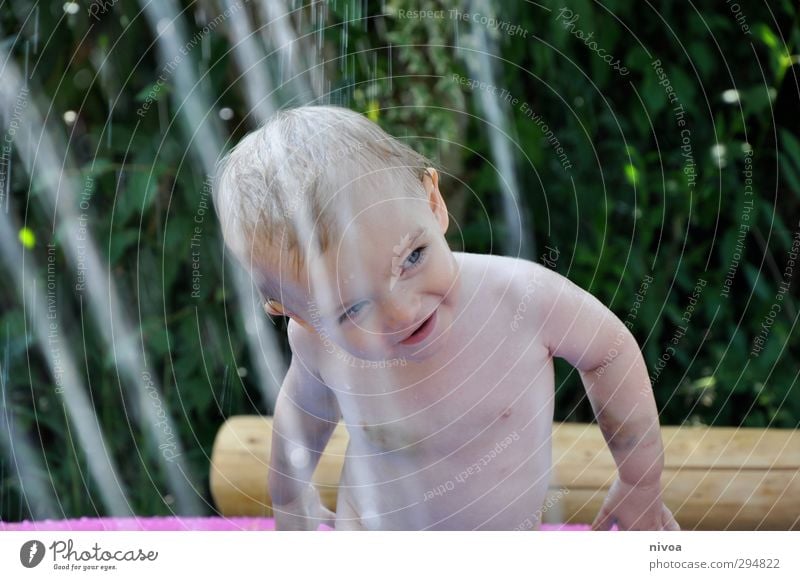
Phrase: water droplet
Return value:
(718, 155)
(731, 96)
(71, 7)
(70, 117)
(299, 457)
(226, 113)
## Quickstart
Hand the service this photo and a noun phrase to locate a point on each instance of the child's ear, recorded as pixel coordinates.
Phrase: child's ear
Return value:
(275, 308)
(430, 181)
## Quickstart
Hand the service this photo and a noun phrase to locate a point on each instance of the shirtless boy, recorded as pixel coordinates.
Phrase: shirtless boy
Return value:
(440, 363)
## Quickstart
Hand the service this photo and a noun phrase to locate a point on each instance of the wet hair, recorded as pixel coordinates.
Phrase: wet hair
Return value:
(291, 186)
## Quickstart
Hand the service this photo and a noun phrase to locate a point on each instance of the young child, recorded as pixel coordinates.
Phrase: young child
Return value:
(440, 363)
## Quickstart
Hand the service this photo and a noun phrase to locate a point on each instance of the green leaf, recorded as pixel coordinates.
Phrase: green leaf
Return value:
(791, 160)
(154, 92)
(631, 174)
(757, 283)
(139, 192)
(120, 241)
(765, 34)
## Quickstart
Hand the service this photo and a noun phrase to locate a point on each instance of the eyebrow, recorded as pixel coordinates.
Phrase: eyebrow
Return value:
(412, 239)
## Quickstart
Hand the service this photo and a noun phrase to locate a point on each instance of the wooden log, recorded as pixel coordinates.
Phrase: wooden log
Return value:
(240, 463)
(715, 478)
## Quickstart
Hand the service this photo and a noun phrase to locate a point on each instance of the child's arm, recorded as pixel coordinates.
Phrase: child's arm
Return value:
(306, 413)
(577, 327)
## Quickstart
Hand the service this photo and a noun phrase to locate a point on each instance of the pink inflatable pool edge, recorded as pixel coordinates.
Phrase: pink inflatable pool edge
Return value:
(178, 524)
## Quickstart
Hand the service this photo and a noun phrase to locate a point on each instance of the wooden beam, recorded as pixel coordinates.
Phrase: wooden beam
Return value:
(715, 478)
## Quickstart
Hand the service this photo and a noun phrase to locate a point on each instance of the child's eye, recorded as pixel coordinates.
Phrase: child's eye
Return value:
(352, 312)
(414, 259)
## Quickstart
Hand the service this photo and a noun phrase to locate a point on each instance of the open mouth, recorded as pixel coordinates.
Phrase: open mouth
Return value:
(423, 330)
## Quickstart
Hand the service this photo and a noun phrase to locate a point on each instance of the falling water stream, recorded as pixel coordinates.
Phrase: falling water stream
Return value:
(39, 498)
(277, 69)
(61, 362)
(54, 345)
(44, 160)
(203, 132)
(518, 240)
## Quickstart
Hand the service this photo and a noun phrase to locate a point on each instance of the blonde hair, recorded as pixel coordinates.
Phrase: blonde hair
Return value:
(288, 186)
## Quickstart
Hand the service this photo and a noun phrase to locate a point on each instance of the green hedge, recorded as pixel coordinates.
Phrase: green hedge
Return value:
(621, 202)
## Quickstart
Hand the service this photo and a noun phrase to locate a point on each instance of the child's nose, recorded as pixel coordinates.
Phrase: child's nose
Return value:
(400, 312)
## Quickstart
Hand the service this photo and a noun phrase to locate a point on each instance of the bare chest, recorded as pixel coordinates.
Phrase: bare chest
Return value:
(474, 393)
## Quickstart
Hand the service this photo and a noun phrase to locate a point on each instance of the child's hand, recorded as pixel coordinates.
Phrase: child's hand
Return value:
(634, 507)
(305, 512)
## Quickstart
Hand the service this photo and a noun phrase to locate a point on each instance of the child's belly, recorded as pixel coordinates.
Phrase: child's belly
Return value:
(472, 454)
(482, 491)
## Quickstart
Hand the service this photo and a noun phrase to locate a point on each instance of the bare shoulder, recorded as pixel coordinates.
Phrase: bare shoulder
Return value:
(507, 277)
(522, 290)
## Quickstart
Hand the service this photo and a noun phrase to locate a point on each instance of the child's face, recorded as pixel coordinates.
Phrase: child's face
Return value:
(387, 289)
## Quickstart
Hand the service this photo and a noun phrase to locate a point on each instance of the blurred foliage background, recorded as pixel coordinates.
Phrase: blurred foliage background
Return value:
(631, 206)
